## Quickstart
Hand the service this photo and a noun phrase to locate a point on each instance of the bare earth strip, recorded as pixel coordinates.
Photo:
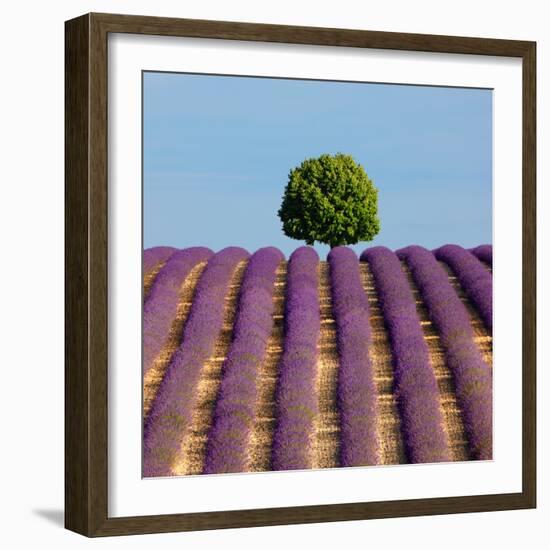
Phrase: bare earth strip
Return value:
(261, 438)
(154, 376)
(326, 437)
(389, 423)
(191, 458)
(452, 414)
(149, 278)
(483, 339)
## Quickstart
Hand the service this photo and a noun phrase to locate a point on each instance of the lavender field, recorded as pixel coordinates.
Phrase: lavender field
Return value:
(255, 362)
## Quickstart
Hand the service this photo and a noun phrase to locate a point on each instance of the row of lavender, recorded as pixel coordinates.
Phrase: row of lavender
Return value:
(296, 401)
(171, 413)
(472, 376)
(416, 387)
(235, 411)
(356, 387)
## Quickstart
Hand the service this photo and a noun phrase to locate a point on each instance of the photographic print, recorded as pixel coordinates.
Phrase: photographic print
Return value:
(317, 274)
(279, 274)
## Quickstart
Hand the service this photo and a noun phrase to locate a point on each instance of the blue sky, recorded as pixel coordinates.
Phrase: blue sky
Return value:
(218, 150)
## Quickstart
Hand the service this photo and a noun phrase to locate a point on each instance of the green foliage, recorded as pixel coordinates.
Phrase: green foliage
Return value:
(331, 200)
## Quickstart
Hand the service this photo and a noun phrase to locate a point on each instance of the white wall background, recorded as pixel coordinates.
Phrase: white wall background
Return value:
(31, 305)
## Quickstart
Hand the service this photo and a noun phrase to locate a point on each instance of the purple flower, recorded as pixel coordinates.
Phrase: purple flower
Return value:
(356, 389)
(153, 256)
(171, 413)
(472, 376)
(484, 252)
(235, 409)
(474, 278)
(296, 399)
(415, 383)
(161, 304)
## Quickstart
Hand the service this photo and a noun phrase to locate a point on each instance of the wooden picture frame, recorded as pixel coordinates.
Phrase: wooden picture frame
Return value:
(86, 281)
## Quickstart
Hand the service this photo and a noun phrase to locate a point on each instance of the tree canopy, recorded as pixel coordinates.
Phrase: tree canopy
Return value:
(331, 200)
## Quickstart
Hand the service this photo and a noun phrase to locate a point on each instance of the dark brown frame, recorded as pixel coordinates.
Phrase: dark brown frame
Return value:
(86, 274)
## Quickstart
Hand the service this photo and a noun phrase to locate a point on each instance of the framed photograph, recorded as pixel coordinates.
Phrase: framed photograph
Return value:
(300, 274)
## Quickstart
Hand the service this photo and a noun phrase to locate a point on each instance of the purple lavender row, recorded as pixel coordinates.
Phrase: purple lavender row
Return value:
(473, 378)
(484, 252)
(296, 398)
(475, 279)
(172, 410)
(161, 304)
(235, 410)
(415, 383)
(356, 390)
(153, 256)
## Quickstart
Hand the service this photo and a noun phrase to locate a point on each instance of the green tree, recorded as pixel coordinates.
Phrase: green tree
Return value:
(331, 200)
